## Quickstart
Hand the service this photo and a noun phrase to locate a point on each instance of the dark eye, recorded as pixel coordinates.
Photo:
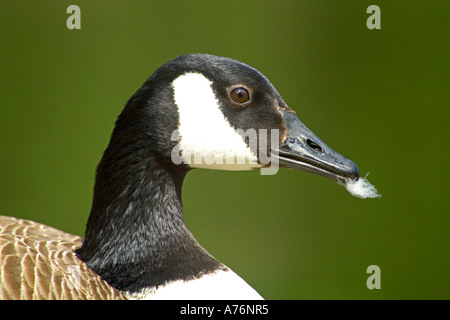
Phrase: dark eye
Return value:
(239, 95)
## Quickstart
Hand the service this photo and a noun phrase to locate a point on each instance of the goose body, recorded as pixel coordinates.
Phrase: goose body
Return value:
(39, 262)
(196, 111)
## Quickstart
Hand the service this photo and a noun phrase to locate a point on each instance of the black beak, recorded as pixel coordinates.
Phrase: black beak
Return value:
(303, 150)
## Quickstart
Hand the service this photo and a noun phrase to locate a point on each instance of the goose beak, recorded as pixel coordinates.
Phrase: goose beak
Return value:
(303, 150)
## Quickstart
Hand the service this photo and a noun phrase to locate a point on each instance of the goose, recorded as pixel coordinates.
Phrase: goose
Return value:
(195, 111)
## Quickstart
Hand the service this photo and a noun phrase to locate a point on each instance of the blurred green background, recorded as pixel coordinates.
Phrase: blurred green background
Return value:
(379, 97)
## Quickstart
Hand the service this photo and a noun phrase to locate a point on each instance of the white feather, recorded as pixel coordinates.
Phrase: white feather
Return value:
(361, 188)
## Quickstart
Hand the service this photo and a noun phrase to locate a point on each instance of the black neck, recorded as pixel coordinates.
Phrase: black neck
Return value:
(136, 236)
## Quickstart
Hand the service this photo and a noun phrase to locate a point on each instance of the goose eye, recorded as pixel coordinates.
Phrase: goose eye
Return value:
(239, 95)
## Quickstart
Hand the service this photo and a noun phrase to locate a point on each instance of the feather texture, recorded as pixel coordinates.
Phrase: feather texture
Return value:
(38, 262)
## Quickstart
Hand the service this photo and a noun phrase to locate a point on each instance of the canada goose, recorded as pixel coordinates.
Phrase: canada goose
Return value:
(192, 110)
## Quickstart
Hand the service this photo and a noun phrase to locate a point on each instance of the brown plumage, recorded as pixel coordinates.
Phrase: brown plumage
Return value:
(38, 262)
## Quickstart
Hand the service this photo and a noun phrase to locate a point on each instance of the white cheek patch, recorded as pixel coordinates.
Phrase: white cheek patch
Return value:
(206, 138)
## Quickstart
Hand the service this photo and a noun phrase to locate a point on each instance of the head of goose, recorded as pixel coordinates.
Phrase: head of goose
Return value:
(196, 111)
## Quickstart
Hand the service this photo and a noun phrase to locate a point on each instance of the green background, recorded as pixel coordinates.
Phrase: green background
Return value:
(379, 97)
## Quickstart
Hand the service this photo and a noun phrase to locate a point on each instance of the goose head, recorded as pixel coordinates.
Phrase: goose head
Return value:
(196, 111)
(213, 112)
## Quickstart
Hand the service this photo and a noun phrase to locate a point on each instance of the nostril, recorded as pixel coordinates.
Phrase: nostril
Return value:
(314, 145)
